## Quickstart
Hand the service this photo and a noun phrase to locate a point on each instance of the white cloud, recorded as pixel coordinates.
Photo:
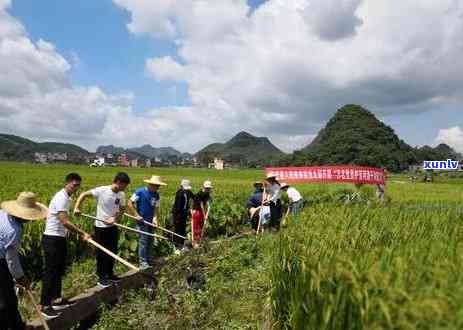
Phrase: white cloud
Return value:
(333, 19)
(165, 68)
(284, 69)
(452, 136)
(37, 99)
(279, 71)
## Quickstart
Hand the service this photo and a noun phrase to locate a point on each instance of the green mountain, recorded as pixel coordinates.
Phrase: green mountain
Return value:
(151, 152)
(441, 152)
(355, 136)
(16, 148)
(110, 149)
(243, 149)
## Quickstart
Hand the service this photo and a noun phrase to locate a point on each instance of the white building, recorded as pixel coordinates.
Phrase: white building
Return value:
(218, 164)
(46, 157)
(40, 157)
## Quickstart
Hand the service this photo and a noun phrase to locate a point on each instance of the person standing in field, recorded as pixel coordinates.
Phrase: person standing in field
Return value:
(200, 212)
(54, 246)
(110, 208)
(254, 203)
(180, 212)
(13, 215)
(380, 189)
(274, 200)
(296, 202)
(145, 204)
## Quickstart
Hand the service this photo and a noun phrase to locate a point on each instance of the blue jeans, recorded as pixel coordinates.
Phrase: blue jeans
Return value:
(145, 245)
(295, 208)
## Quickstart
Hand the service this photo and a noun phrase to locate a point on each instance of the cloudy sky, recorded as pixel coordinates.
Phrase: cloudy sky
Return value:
(185, 73)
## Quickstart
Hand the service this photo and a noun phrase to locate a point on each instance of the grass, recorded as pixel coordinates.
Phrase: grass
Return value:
(233, 296)
(337, 266)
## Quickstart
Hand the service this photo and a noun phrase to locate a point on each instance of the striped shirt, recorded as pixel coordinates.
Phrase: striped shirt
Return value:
(10, 241)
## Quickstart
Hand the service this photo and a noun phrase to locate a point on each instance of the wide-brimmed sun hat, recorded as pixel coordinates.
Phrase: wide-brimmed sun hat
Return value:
(186, 184)
(271, 175)
(25, 207)
(207, 184)
(156, 180)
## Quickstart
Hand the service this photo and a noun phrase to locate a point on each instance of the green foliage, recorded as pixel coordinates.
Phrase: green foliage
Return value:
(355, 136)
(367, 267)
(20, 149)
(226, 215)
(232, 298)
(356, 265)
(441, 152)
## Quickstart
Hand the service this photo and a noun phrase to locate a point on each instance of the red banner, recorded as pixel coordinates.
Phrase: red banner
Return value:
(341, 173)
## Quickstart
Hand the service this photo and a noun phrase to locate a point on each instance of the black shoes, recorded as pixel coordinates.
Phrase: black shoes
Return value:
(104, 283)
(49, 313)
(62, 304)
(114, 279)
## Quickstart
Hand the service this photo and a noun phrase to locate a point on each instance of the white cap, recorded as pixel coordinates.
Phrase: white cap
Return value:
(186, 184)
(207, 184)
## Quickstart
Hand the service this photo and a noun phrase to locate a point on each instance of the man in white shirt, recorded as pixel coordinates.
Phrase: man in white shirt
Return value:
(110, 208)
(296, 202)
(54, 246)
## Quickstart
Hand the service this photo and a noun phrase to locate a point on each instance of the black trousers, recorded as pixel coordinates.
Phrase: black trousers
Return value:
(108, 237)
(179, 228)
(10, 319)
(276, 214)
(255, 220)
(54, 252)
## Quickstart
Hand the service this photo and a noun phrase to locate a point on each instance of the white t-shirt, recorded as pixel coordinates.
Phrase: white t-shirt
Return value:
(59, 203)
(108, 204)
(293, 195)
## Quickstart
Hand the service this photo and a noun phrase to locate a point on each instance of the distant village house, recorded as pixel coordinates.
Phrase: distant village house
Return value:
(50, 157)
(218, 164)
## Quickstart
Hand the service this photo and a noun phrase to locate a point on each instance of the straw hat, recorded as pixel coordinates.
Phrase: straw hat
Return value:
(271, 175)
(156, 180)
(25, 207)
(207, 184)
(186, 184)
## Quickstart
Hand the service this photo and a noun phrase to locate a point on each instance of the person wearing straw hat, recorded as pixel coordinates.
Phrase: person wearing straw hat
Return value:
(54, 246)
(296, 202)
(274, 201)
(180, 212)
(254, 203)
(110, 208)
(145, 204)
(13, 215)
(200, 212)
